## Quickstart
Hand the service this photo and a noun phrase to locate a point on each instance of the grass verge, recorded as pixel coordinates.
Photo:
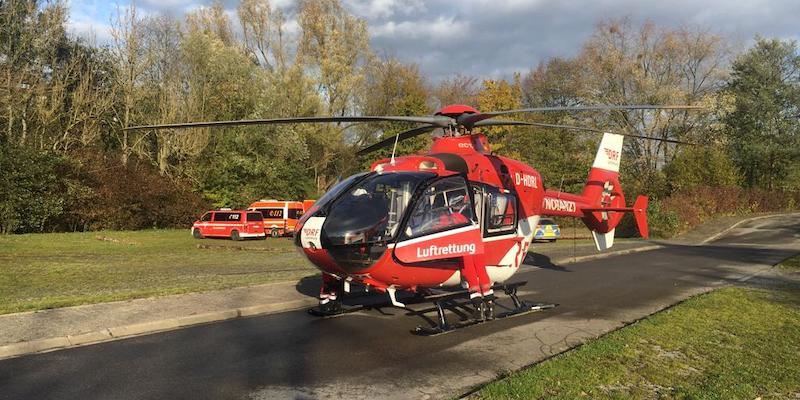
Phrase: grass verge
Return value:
(40, 271)
(733, 343)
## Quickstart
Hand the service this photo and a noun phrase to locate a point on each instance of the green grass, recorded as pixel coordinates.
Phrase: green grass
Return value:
(733, 343)
(792, 264)
(40, 271)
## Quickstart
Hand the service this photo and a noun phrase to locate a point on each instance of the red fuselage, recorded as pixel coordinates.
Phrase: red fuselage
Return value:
(411, 222)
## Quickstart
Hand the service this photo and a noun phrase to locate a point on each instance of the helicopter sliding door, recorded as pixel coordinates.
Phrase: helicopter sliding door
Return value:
(442, 224)
(503, 245)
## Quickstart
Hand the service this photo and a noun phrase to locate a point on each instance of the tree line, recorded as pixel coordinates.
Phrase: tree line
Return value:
(67, 162)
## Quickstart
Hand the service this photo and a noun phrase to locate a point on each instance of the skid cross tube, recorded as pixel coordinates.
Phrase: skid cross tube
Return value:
(468, 312)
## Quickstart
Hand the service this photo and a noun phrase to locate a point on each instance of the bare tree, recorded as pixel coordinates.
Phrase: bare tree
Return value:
(213, 20)
(335, 45)
(30, 38)
(133, 60)
(70, 109)
(459, 89)
(627, 64)
(262, 33)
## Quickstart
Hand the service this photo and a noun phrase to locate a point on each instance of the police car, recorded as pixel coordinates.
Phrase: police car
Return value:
(547, 230)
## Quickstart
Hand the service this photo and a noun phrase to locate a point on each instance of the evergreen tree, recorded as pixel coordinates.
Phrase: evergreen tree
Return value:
(765, 125)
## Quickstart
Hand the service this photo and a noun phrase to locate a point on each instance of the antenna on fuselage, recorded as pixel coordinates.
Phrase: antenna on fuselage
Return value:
(396, 138)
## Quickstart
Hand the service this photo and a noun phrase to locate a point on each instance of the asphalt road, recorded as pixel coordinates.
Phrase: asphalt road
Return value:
(373, 355)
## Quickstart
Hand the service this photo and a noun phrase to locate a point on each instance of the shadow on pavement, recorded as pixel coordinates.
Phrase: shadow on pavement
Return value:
(542, 261)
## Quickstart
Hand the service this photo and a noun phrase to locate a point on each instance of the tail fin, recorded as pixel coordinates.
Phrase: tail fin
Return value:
(609, 153)
(603, 193)
(640, 215)
(603, 189)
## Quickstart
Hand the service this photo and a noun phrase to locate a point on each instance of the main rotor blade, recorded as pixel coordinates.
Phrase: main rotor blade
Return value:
(497, 122)
(437, 120)
(389, 141)
(583, 128)
(469, 120)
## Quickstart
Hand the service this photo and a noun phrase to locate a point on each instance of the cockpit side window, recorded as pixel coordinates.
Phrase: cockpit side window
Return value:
(443, 205)
(501, 213)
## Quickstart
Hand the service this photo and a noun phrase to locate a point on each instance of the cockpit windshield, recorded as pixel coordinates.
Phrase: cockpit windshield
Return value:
(371, 211)
(318, 208)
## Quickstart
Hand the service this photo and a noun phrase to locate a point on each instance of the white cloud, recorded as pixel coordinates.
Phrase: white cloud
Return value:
(442, 28)
(168, 3)
(375, 9)
(495, 37)
(91, 31)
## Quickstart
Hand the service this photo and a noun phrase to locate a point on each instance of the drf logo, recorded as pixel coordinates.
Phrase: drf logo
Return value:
(312, 232)
(465, 145)
(525, 180)
(612, 155)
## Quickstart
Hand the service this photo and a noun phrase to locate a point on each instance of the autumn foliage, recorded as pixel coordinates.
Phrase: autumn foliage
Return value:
(68, 163)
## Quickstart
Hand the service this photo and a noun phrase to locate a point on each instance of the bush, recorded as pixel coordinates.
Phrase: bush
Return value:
(690, 207)
(696, 205)
(101, 193)
(663, 223)
(29, 190)
(697, 166)
(41, 192)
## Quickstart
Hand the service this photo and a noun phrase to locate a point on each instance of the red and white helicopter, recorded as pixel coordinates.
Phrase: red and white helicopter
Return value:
(458, 216)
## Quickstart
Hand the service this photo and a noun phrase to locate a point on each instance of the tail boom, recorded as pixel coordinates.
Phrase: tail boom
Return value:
(602, 203)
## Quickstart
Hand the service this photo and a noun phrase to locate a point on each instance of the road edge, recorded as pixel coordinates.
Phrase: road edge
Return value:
(19, 349)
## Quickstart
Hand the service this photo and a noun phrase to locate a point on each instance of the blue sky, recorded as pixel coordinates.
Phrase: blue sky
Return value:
(495, 38)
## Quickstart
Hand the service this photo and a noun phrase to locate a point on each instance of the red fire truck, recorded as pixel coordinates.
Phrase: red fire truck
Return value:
(281, 216)
(235, 224)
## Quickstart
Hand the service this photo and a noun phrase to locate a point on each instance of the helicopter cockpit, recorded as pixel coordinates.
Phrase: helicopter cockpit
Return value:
(371, 210)
(375, 209)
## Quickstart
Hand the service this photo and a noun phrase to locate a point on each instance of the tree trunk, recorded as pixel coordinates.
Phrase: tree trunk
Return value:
(125, 150)
(163, 158)
(24, 136)
(10, 105)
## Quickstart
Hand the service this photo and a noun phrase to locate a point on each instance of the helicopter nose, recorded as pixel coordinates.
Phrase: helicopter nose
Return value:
(357, 258)
(346, 253)
(308, 233)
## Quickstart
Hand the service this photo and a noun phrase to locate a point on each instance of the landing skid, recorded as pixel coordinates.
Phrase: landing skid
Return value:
(466, 310)
(457, 303)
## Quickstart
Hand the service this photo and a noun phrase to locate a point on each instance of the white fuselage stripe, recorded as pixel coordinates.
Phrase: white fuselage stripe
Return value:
(437, 235)
(501, 237)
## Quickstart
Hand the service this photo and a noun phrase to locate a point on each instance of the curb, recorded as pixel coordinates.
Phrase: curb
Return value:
(569, 260)
(146, 328)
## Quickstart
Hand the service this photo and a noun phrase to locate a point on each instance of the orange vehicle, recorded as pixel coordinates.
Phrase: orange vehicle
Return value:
(281, 216)
(225, 222)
